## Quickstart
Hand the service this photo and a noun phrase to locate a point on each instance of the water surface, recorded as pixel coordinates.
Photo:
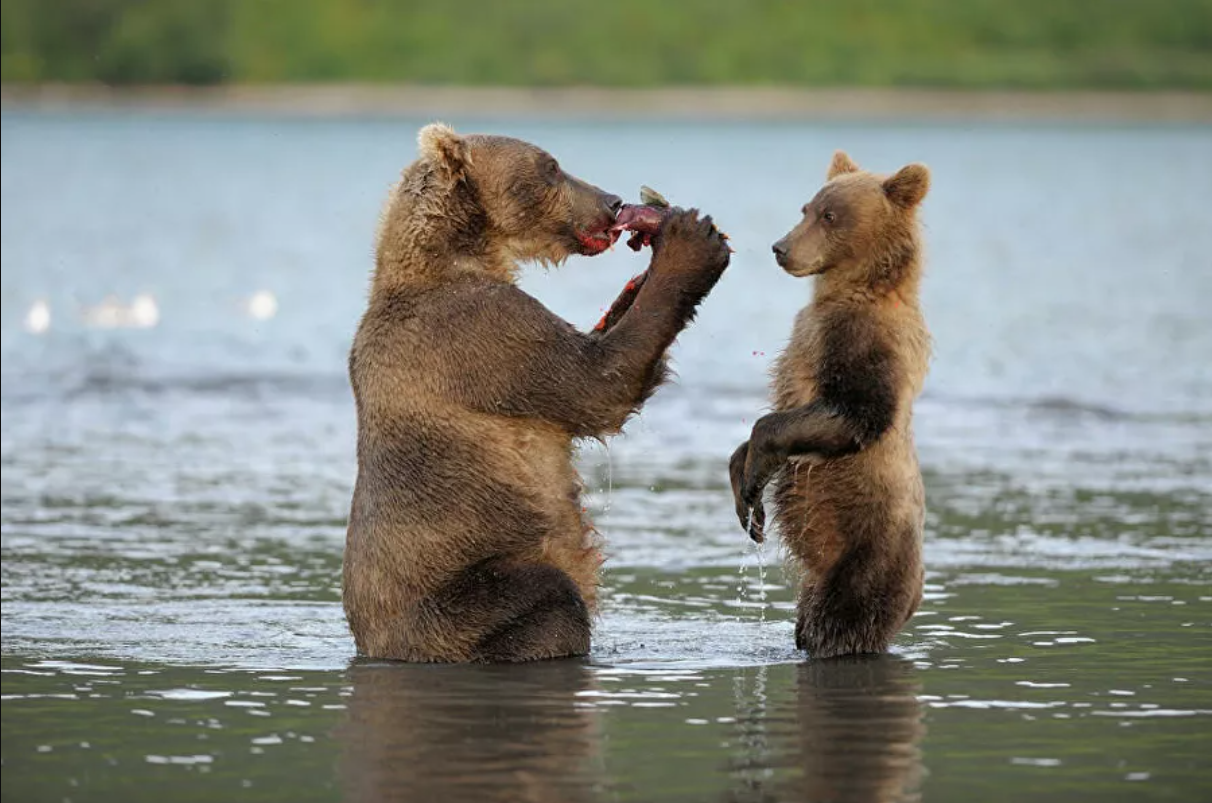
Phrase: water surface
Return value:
(174, 497)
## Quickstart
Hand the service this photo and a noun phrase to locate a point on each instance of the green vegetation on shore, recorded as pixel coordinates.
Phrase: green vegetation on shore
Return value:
(1035, 44)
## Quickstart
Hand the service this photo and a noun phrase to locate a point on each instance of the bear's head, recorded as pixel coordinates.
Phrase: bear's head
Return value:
(510, 200)
(860, 227)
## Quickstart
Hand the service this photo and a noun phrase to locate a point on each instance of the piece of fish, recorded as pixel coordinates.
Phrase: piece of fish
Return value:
(644, 219)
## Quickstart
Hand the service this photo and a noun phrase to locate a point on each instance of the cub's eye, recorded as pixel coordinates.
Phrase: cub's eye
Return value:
(828, 216)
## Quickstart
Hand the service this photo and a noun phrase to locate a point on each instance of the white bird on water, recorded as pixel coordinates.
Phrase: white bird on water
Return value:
(141, 313)
(262, 305)
(38, 319)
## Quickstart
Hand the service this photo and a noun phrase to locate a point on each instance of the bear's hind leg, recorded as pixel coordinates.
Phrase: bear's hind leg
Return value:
(555, 628)
(862, 602)
(523, 611)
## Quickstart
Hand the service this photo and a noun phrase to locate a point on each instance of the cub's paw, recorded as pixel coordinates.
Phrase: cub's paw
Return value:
(750, 512)
(688, 244)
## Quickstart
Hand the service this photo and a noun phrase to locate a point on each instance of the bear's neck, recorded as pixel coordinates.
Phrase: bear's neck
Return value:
(894, 269)
(424, 241)
(421, 262)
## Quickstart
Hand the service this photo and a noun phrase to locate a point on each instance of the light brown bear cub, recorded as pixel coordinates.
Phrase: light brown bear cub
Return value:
(849, 502)
(467, 537)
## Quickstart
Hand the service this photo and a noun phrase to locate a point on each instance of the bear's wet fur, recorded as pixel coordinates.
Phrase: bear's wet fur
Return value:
(848, 498)
(467, 537)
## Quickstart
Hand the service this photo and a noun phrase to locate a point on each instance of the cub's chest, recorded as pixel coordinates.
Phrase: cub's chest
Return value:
(795, 374)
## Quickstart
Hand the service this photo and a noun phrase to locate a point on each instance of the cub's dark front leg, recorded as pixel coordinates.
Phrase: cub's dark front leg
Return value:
(816, 430)
(856, 404)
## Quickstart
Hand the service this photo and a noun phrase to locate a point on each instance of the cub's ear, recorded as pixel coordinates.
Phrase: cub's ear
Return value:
(908, 187)
(840, 165)
(439, 143)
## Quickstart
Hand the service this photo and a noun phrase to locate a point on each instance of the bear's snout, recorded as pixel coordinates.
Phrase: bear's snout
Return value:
(613, 204)
(780, 252)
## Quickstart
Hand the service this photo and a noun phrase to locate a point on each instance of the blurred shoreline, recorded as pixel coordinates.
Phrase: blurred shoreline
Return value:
(689, 103)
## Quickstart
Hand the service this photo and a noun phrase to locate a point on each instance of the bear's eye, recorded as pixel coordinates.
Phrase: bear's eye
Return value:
(828, 216)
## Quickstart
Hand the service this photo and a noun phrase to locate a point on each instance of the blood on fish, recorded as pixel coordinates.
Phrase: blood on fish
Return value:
(644, 221)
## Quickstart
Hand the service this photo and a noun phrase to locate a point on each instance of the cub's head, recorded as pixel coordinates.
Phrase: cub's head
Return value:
(518, 197)
(859, 224)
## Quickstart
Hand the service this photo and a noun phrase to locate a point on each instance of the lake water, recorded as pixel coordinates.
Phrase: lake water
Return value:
(174, 496)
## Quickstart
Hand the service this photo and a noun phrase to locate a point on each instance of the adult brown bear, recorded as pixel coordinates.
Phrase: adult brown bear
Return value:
(467, 537)
(849, 502)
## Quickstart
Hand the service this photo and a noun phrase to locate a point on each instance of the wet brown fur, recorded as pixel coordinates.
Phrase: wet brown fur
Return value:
(467, 537)
(848, 497)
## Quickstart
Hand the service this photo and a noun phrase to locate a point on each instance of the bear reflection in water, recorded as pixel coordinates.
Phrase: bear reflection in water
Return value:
(853, 730)
(845, 729)
(470, 732)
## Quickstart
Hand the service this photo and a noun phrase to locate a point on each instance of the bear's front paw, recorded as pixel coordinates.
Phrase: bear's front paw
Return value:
(751, 513)
(688, 244)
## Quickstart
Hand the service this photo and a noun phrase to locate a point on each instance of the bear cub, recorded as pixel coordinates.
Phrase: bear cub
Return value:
(848, 497)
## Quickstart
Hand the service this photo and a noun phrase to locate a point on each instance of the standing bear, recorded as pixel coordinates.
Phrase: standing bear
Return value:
(848, 500)
(467, 536)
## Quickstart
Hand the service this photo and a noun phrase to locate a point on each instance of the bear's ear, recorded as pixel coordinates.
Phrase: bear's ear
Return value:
(840, 165)
(908, 187)
(439, 143)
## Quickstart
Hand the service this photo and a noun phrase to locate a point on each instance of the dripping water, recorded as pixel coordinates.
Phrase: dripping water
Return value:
(609, 477)
(759, 551)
